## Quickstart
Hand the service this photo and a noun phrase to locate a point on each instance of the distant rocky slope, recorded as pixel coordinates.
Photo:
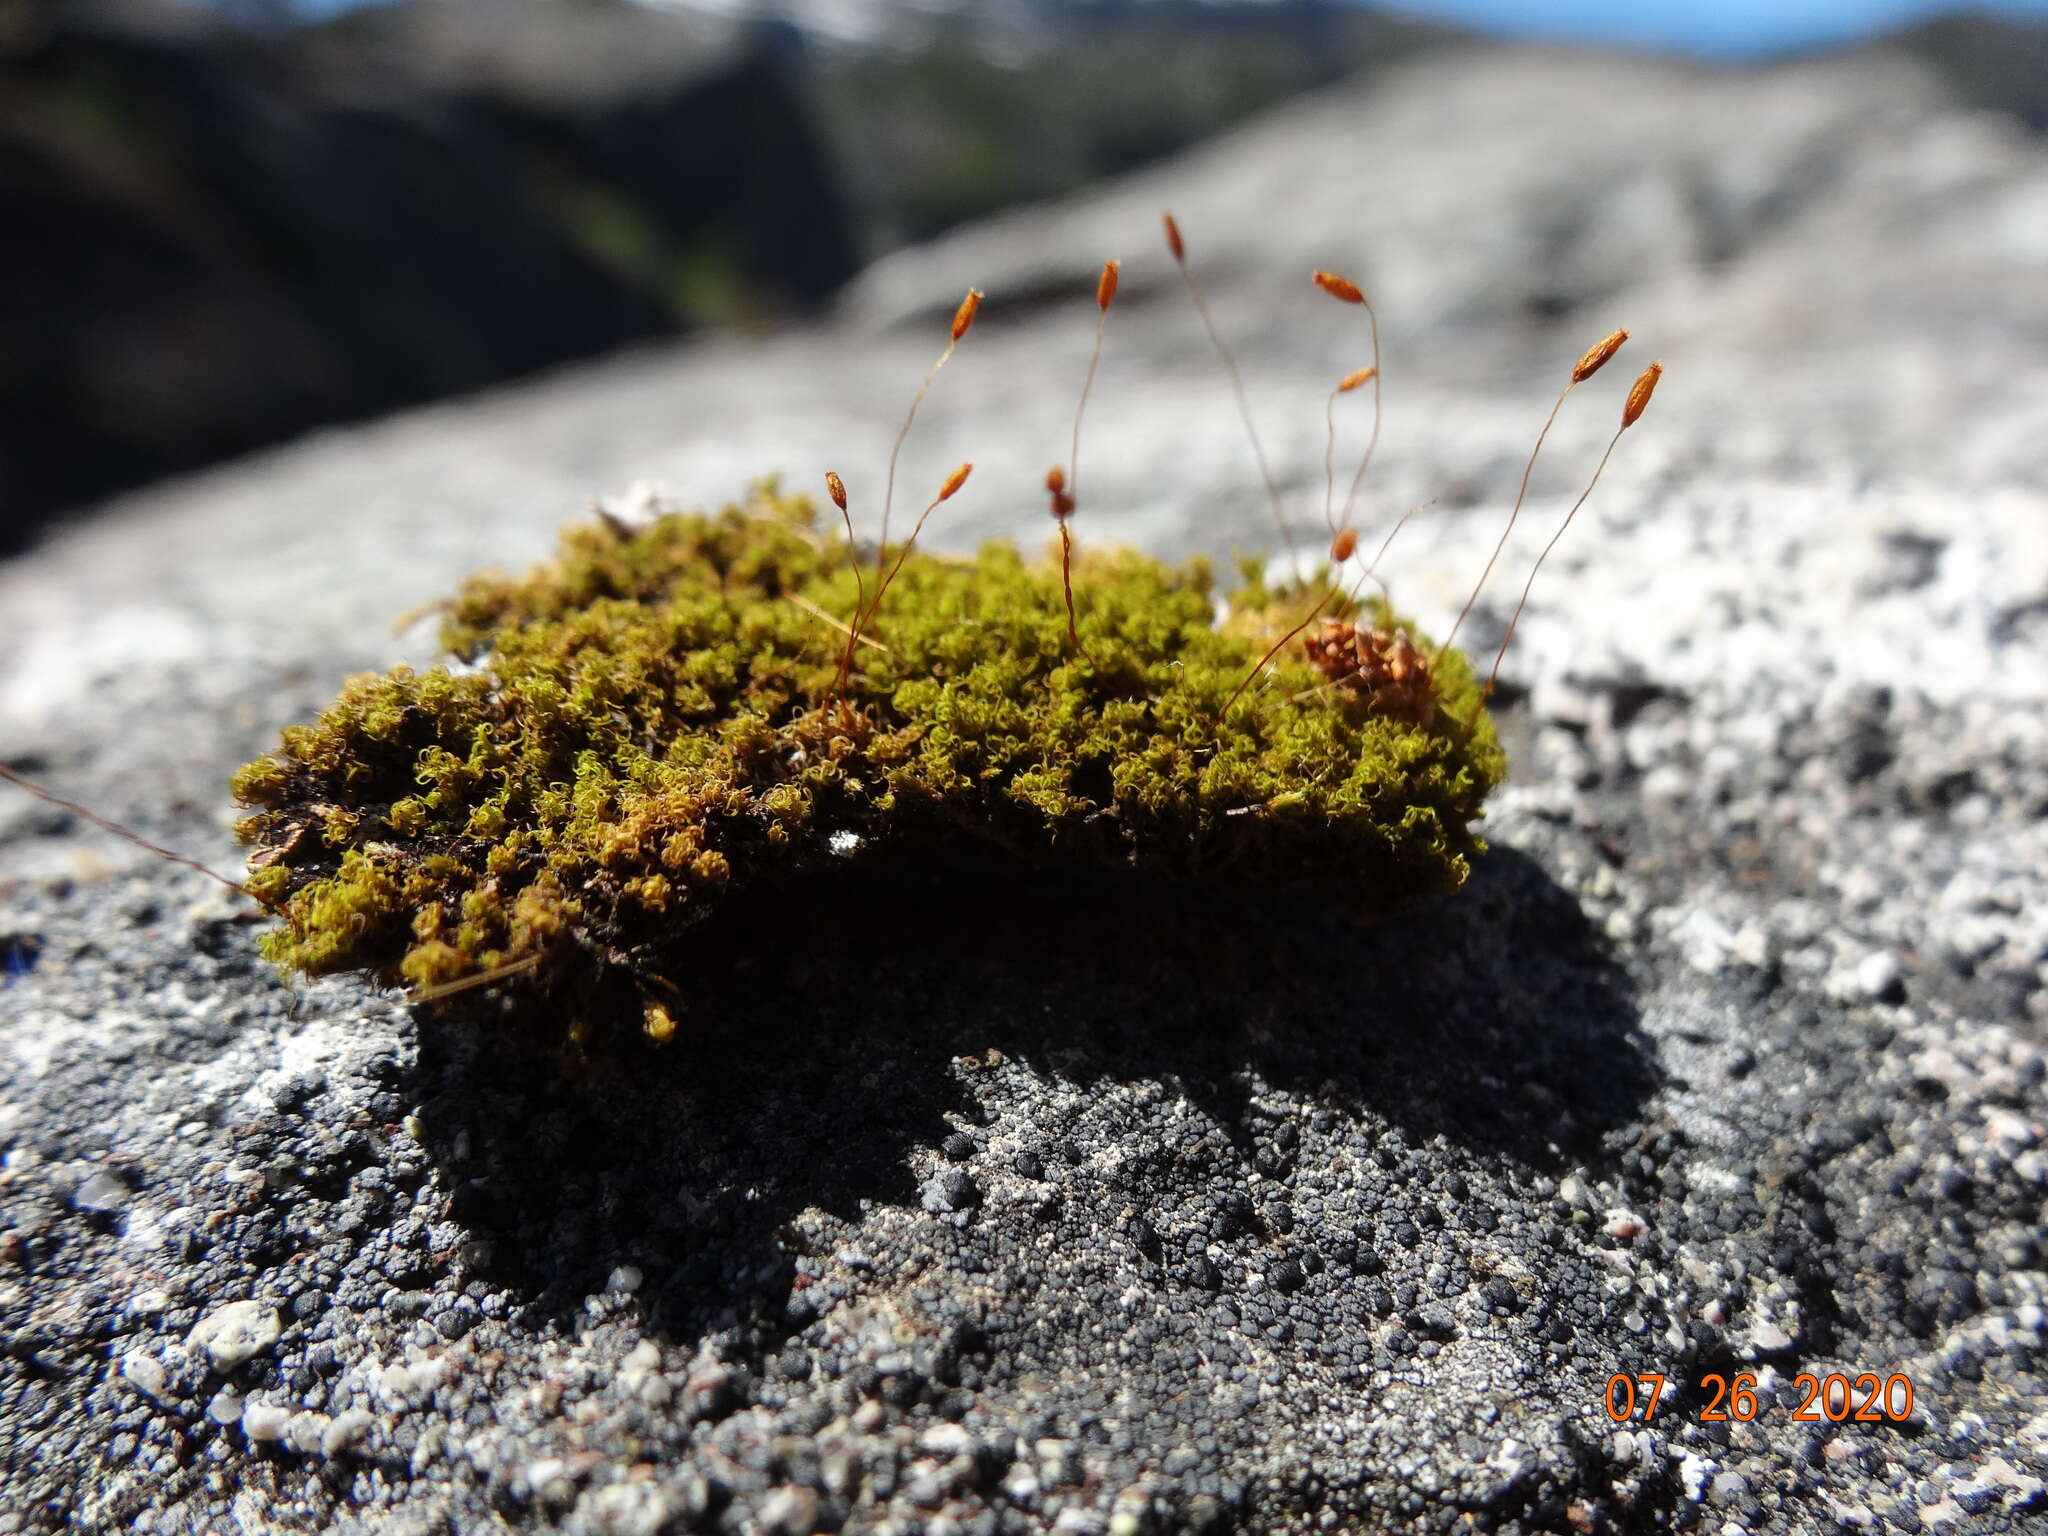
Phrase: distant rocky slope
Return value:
(219, 238)
(1993, 60)
(1000, 1209)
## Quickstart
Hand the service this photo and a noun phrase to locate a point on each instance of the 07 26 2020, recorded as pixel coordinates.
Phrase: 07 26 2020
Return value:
(1836, 1398)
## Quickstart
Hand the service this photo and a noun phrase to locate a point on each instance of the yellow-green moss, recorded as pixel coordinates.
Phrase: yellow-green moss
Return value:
(650, 725)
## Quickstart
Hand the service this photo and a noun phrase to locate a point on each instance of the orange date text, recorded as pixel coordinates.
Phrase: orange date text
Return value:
(1836, 1398)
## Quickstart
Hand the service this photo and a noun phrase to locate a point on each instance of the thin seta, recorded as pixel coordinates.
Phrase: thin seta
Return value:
(1386, 666)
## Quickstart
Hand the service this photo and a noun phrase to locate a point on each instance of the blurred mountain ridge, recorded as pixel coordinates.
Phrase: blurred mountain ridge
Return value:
(1999, 63)
(219, 236)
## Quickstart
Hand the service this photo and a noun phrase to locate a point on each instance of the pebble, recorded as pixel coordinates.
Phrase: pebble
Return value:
(1769, 1338)
(102, 1193)
(1694, 1474)
(145, 1372)
(239, 1331)
(265, 1421)
(947, 1440)
(1020, 1485)
(637, 1508)
(1878, 976)
(952, 1188)
(345, 1431)
(307, 1431)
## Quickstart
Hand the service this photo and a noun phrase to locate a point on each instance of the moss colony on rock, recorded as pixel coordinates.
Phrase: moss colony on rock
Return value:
(653, 722)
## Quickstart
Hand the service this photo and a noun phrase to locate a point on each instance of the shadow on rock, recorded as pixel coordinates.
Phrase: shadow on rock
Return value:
(831, 1033)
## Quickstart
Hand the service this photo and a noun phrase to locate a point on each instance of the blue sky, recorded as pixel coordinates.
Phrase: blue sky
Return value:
(1725, 28)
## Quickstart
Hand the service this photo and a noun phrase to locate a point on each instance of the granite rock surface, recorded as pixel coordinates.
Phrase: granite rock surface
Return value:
(1006, 1209)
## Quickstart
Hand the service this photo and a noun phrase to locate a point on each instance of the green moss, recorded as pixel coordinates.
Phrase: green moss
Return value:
(651, 724)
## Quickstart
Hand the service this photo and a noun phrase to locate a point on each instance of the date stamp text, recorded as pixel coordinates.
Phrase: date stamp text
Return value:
(1833, 1399)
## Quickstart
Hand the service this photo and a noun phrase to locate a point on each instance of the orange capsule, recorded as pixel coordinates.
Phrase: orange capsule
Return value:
(1639, 394)
(1105, 286)
(1180, 252)
(963, 317)
(955, 480)
(1338, 287)
(835, 488)
(1597, 355)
